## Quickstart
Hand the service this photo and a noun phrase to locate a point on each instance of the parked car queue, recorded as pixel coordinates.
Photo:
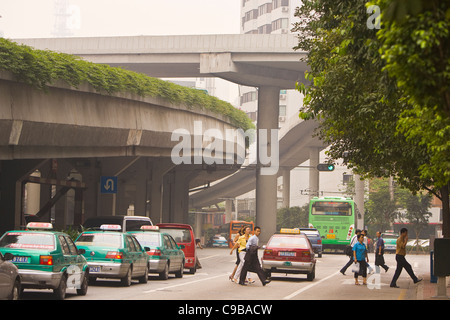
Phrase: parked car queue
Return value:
(40, 258)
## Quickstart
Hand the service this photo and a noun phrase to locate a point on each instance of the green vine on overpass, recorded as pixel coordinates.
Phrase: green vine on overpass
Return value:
(40, 68)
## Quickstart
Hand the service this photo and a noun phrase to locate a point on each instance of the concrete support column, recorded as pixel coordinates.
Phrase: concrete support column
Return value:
(266, 184)
(12, 174)
(229, 210)
(314, 155)
(97, 203)
(141, 180)
(176, 194)
(198, 225)
(286, 188)
(180, 197)
(160, 167)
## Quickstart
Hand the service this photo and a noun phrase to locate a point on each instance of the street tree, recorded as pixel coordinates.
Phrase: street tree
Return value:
(415, 45)
(358, 103)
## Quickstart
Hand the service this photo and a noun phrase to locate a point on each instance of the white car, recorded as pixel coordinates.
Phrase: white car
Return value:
(220, 241)
(9, 278)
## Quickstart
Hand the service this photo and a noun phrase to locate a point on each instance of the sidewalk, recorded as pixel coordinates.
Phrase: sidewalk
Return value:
(428, 291)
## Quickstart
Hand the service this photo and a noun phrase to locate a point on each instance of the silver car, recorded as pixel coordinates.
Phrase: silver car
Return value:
(9, 278)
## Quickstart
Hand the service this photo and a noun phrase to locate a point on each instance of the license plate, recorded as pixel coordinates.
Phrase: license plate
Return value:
(94, 269)
(287, 254)
(21, 259)
(331, 236)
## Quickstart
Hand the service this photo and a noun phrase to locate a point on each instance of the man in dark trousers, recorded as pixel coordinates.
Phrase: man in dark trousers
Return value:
(401, 261)
(379, 253)
(252, 261)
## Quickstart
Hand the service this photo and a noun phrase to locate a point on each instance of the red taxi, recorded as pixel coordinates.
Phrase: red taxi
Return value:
(183, 236)
(289, 251)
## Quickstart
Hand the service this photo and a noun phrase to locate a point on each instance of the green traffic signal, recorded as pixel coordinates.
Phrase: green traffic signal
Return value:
(325, 167)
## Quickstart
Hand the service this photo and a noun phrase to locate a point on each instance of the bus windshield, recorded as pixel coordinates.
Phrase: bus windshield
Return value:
(231, 229)
(331, 208)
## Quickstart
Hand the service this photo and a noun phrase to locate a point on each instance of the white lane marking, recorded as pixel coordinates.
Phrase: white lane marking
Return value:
(309, 287)
(185, 283)
(207, 257)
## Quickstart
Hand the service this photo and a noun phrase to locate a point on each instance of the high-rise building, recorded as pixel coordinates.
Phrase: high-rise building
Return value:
(268, 17)
(62, 16)
(277, 17)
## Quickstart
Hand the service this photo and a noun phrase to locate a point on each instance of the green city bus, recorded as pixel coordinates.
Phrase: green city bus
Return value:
(335, 219)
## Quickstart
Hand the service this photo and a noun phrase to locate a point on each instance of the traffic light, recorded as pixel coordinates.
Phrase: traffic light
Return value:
(325, 167)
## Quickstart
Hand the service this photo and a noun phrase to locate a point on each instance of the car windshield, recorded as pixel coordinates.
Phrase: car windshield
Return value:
(148, 239)
(179, 235)
(100, 240)
(135, 225)
(28, 240)
(288, 242)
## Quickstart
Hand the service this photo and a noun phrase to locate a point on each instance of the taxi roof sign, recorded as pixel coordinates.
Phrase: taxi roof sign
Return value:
(149, 228)
(110, 227)
(40, 225)
(290, 231)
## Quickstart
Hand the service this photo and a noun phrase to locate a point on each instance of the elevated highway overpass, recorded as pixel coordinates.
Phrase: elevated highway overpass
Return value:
(255, 60)
(267, 62)
(90, 134)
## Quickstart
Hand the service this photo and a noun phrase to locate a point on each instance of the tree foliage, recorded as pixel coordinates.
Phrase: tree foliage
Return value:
(366, 112)
(417, 211)
(293, 217)
(381, 209)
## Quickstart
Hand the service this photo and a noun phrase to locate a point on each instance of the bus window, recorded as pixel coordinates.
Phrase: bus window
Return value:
(331, 208)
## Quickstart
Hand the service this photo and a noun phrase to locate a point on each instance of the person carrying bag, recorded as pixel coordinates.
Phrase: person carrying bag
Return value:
(360, 257)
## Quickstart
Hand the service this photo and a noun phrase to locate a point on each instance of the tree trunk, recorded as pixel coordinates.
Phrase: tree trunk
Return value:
(445, 211)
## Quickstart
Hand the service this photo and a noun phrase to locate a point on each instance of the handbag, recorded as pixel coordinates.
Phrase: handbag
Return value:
(355, 267)
(348, 251)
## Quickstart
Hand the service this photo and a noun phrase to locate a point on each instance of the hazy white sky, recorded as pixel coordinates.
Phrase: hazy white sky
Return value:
(36, 18)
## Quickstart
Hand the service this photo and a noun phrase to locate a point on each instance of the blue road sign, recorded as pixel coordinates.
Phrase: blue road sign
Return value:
(108, 184)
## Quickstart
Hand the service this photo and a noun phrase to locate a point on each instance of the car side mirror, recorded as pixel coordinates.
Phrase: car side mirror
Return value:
(8, 256)
(146, 249)
(81, 251)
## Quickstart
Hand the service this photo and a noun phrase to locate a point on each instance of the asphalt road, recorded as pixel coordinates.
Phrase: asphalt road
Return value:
(212, 283)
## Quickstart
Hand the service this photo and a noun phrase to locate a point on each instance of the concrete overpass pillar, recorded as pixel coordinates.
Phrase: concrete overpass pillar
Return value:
(12, 174)
(160, 167)
(266, 184)
(175, 197)
(286, 187)
(229, 210)
(314, 154)
(180, 197)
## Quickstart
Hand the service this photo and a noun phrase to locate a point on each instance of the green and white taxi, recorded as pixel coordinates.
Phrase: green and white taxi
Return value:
(46, 259)
(390, 241)
(165, 255)
(111, 253)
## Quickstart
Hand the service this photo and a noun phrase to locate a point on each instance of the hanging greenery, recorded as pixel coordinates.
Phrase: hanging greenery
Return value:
(41, 68)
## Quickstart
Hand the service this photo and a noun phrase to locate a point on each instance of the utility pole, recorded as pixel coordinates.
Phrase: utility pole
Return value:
(359, 201)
